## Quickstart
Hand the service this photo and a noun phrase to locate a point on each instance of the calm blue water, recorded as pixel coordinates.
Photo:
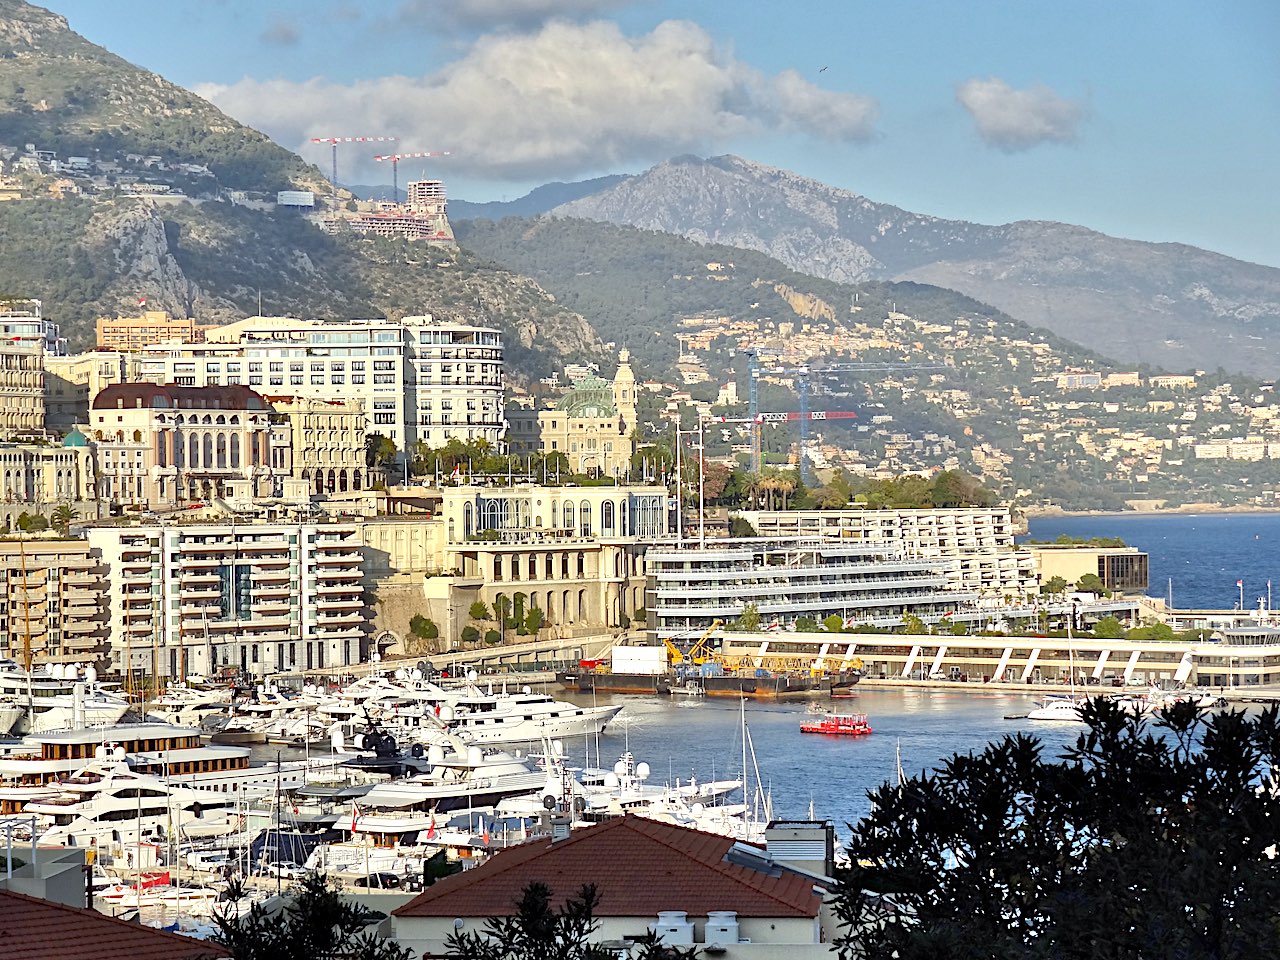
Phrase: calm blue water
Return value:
(1204, 554)
(835, 773)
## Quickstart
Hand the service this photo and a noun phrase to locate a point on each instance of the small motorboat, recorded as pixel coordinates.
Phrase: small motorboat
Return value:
(838, 724)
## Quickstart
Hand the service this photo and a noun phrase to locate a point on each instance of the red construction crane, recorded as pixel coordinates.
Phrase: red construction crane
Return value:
(334, 141)
(395, 159)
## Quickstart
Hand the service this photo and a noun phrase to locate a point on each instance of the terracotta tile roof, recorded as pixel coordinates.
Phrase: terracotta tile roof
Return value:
(639, 867)
(34, 929)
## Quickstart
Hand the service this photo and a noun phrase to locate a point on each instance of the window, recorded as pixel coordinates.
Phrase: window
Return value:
(357, 364)
(384, 378)
(277, 381)
(295, 380)
(255, 368)
(384, 418)
(383, 365)
(255, 381)
(275, 368)
(337, 379)
(317, 379)
(233, 368)
(357, 378)
(296, 367)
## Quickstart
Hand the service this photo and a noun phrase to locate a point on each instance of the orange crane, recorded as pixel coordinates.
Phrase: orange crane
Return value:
(395, 159)
(334, 141)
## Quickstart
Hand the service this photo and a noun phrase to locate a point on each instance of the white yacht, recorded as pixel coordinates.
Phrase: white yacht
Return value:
(58, 696)
(176, 754)
(108, 802)
(1058, 707)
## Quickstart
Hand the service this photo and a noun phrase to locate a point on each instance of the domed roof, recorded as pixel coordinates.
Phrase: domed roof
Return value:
(75, 439)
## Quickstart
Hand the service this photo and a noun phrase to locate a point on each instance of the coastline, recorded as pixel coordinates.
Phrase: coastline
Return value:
(1036, 513)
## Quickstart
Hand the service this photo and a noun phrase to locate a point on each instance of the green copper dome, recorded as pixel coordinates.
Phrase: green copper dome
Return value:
(75, 439)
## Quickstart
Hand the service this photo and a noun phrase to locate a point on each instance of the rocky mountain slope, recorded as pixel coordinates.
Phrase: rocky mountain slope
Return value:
(1168, 305)
(63, 93)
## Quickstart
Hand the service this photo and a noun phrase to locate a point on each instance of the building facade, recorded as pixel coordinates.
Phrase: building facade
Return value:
(980, 540)
(574, 553)
(420, 380)
(21, 388)
(70, 382)
(592, 425)
(1119, 568)
(128, 334)
(322, 446)
(53, 601)
(165, 445)
(692, 586)
(258, 597)
(40, 474)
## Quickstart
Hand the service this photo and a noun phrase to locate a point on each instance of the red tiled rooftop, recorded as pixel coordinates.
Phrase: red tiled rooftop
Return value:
(639, 867)
(34, 929)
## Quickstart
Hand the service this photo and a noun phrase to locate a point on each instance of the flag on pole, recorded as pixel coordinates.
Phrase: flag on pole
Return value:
(485, 823)
(142, 301)
(431, 828)
(355, 812)
(1239, 583)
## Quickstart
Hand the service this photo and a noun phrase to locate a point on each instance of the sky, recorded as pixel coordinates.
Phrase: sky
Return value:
(1148, 120)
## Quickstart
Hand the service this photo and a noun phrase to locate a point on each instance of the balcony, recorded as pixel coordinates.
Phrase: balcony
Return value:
(344, 573)
(341, 603)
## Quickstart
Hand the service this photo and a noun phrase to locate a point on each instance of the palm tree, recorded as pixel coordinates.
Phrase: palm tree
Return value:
(63, 516)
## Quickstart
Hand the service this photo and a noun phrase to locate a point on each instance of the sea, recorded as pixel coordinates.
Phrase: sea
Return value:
(1195, 557)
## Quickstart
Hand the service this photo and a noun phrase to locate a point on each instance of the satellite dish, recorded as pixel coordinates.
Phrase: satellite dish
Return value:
(472, 675)
(697, 809)
(435, 754)
(475, 756)
(91, 674)
(446, 714)
(620, 768)
(642, 770)
(458, 924)
(415, 675)
(549, 802)
(526, 690)
(416, 751)
(400, 674)
(422, 666)
(611, 781)
(335, 739)
(55, 671)
(100, 752)
(119, 753)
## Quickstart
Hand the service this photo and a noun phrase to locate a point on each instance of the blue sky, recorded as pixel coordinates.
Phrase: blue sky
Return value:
(1150, 120)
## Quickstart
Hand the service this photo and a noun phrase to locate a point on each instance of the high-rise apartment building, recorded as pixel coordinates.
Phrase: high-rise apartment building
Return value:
(53, 601)
(259, 597)
(152, 326)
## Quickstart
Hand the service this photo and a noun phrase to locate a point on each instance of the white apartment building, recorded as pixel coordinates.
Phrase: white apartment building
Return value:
(979, 539)
(197, 598)
(419, 379)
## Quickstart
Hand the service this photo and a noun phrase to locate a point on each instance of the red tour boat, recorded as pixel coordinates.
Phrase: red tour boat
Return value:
(839, 724)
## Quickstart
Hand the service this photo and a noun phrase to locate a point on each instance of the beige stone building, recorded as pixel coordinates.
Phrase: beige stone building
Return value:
(592, 424)
(70, 382)
(324, 452)
(575, 553)
(151, 327)
(163, 445)
(21, 389)
(53, 598)
(40, 474)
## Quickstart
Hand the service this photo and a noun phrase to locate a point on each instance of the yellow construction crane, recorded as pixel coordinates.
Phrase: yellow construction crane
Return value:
(697, 653)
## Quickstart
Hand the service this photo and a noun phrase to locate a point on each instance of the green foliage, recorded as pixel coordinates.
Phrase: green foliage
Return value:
(492, 637)
(959, 628)
(913, 625)
(1092, 583)
(423, 628)
(749, 621)
(834, 623)
(379, 451)
(1135, 844)
(1108, 628)
(739, 527)
(641, 615)
(950, 488)
(806, 625)
(1066, 540)
(1054, 585)
(1152, 631)
(479, 611)
(533, 620)
(32, 522)
(63, 516)
(470, 634)
(316, 924)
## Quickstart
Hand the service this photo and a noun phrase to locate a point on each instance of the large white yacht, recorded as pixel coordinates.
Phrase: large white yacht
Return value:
(58, 696)
(108, 802)
(176, 754)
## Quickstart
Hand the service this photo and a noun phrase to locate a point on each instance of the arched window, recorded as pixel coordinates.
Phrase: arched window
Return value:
(137, 436)
(568, 514)
(193, 450)
(606, 517)
(467, 521)
(208, 460)
(586, 518)
(235, 451)
(623, 529)
(222, 451)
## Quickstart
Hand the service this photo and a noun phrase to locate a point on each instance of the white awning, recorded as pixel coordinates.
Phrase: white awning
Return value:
(1133, 662)
(937, 661)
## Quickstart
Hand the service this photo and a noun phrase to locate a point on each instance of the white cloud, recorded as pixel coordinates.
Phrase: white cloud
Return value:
(568, 100)
(1019, 119)
(484, 15)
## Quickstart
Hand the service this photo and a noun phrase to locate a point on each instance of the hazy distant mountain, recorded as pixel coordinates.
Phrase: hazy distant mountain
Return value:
(1170, 305)
(538, 201)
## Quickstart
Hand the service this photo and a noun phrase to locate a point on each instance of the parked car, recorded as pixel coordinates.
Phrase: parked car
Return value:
(378, 881)
(286, 869)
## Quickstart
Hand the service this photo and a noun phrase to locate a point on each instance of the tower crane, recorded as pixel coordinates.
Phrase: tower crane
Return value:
(803, 377)
(395, 159)
(334, 141)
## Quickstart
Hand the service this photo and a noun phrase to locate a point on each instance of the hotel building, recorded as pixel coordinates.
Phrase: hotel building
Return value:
(260, 597)
(127, 334)
(419, 379)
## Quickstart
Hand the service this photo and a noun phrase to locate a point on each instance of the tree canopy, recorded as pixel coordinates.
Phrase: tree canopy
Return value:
(1145, 840)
